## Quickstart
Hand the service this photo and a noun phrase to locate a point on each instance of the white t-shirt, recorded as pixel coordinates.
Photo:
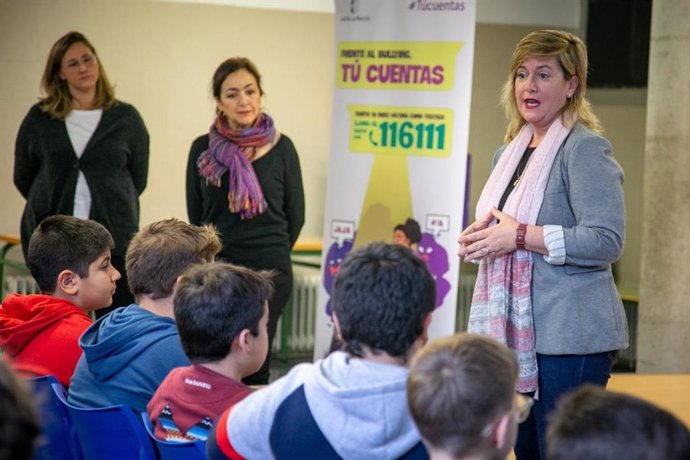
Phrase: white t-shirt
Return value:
(81, 125)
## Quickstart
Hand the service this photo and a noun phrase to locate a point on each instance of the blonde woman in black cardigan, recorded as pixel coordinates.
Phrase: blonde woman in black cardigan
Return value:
(81, 152)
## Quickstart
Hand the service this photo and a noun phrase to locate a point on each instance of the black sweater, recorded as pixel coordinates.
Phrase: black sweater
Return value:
(115, 164)
(266, 240)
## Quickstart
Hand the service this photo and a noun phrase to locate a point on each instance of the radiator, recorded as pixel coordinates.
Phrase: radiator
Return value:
(297, 325)
(20, 284)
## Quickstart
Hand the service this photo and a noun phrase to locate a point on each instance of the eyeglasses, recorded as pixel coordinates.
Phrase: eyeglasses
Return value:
(521, 408)
(74, 64)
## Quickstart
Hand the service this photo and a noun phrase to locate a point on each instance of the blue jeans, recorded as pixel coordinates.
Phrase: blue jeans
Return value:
(558, 374)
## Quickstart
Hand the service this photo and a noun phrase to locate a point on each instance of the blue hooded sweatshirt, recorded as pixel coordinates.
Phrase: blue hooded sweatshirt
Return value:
(127, 354)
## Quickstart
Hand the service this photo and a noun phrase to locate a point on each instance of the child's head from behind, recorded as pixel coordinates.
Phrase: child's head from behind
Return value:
(18, 424)
(160, 252)
(219, 307)
(383, 296)
(461, 394)
(595, 423)
(70, 257)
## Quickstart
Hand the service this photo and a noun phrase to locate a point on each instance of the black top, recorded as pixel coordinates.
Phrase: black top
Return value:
(266, 240)
(114, 162)
(519, 171)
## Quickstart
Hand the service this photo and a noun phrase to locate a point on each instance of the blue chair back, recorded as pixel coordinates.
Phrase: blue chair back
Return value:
(168, 450)
(110, 433)
(58, 439)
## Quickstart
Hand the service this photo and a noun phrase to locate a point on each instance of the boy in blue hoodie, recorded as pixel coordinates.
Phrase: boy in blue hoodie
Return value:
(128, 353)
(353, 403)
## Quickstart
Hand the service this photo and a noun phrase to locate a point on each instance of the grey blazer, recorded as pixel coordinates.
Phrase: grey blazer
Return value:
(576, 306)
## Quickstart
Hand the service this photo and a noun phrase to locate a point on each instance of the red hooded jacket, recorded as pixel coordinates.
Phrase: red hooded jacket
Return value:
(40, 334)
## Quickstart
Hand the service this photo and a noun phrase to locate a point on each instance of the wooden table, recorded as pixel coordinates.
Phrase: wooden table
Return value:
(668, 391)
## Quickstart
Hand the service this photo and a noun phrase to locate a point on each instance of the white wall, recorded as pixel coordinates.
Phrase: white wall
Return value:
(162, 54)
(553, 13)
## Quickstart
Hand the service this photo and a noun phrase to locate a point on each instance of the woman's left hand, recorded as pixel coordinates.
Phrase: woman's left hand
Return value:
(490, 242)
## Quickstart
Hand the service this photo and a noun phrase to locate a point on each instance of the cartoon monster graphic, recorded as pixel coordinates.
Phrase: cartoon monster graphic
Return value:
(336, 255)
(436, 258)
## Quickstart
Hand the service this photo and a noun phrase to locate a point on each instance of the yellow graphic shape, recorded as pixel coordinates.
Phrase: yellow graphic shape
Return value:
(419, 66)
(388, 200)
(400, 131)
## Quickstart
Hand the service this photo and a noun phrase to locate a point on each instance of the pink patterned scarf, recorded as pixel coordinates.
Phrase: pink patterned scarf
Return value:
(231, 151)
(502, 301)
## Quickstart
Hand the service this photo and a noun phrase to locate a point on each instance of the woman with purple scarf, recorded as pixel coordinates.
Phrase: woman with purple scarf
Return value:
(244, 177)
(550, 222)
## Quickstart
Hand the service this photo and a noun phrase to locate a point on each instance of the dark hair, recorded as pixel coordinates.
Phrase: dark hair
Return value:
(163, 250)
(411, 229)
(593, 423)
(65, 243)
(214, 303)
(18, 424)
(457, 386)
(381, 295)
(58, 100)
(230, 66)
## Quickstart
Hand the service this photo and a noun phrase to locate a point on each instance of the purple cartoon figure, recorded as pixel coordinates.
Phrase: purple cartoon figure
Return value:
(336, 255)
(436, 258)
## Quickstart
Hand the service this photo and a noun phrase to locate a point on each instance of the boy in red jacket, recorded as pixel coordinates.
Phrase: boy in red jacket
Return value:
(221, 311)
(70, 260)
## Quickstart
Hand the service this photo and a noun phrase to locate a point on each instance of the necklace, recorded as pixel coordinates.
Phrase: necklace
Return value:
(524, 161)
(519, 176)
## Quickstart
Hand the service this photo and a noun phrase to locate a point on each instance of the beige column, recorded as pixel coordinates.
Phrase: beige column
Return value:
(663, 341)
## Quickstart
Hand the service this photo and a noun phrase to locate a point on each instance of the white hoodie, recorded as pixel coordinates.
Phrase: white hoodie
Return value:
(360, 407)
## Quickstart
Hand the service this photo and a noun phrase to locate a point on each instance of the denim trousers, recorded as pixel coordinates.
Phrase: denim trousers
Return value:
(558, 374)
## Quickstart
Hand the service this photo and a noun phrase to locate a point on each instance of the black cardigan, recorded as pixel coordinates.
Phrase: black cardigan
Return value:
(114, 162)
(266, 240)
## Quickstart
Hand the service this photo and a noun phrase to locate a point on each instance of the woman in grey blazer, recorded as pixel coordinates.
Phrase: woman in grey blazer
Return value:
(550, 221)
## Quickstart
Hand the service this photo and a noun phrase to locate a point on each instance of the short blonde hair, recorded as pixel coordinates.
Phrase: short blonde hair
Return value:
(457, 386)
(163, 250)
(571, 54)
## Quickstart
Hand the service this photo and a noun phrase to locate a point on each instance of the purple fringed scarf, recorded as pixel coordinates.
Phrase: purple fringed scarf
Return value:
(230, 151)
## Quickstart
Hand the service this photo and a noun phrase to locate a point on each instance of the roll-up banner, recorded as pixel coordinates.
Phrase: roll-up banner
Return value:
(399, 138)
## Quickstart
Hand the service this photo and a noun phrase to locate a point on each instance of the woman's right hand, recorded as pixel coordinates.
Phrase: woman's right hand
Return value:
(477, 225)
